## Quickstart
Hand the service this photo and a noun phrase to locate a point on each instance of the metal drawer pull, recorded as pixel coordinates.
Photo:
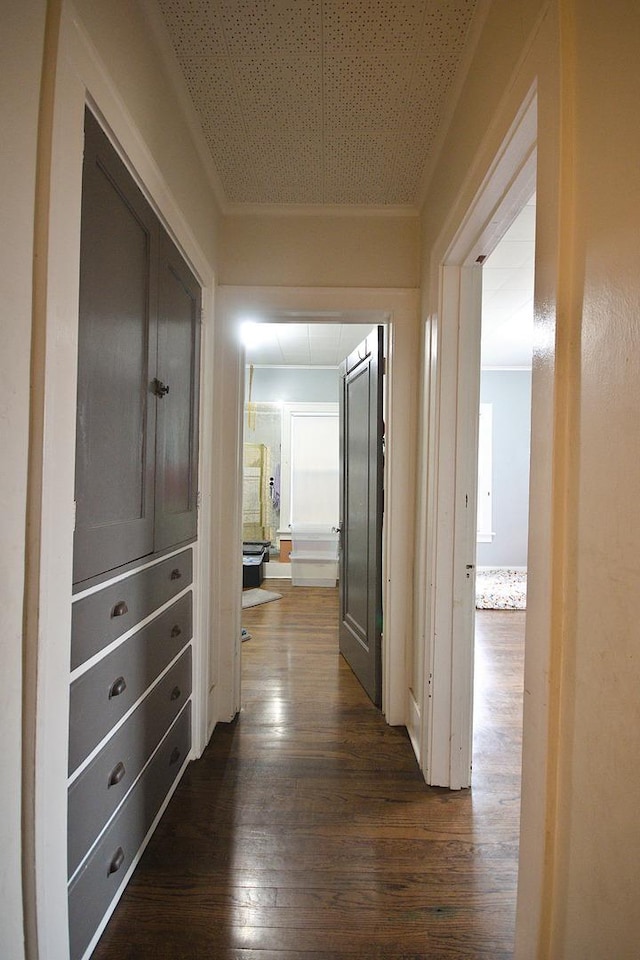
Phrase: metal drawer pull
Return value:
(176, 631)
(117, 687)
(116, 774)
(175, 693)
(116, 861)
(175, 756)
(176, 574)
(120, 609)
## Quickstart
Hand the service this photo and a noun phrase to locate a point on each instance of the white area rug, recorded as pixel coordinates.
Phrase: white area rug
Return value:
(501, 589)
(256, 596)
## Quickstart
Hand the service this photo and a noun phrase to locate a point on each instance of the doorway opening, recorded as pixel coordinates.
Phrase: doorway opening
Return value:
(299, 451)
(504, 433)
(291, 437)
(503, 469)
(451, 556)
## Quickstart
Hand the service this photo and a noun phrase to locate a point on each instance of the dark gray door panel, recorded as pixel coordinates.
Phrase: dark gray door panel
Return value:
(361, 501)
(116, 354)
(179, 311)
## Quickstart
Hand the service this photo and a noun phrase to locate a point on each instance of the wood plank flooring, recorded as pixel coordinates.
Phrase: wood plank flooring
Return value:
(306, 832)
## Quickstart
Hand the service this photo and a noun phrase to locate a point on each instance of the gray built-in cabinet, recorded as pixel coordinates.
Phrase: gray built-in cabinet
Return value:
(136, 514)
(137, 420)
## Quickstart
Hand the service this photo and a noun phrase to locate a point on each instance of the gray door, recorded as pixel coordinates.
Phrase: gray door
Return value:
(116, 354)
(138, 361)
(179, 306)
(361, 504)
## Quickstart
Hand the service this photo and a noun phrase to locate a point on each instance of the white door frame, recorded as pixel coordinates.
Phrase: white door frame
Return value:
(449, 593)
(399, 309)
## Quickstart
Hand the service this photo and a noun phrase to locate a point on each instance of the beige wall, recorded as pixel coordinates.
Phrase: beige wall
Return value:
(598, 870)
(320, 251)
(21, 40)
(580, 844)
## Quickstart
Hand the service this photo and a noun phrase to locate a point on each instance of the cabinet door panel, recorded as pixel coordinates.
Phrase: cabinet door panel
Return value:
(177, 410)
(116, 353)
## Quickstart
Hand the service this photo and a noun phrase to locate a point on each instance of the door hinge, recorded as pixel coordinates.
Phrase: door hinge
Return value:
(198, 500)
(384, 366)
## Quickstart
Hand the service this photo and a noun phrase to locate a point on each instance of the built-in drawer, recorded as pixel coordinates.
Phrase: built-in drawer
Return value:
(101, 875)
(99, 789)
(101, 617)
(101, 696)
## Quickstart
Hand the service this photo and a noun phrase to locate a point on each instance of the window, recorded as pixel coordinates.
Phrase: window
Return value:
(485, 440)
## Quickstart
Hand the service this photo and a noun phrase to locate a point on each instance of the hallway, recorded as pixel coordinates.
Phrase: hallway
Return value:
(306, 830)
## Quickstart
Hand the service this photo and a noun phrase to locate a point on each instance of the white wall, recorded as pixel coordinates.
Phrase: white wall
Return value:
(509, 393)
(21, 48)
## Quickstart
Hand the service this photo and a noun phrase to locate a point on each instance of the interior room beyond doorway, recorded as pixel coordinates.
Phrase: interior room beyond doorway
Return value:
(505, 416)
(291, 444)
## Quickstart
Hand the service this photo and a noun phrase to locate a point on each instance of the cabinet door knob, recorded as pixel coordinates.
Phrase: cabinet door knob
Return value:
(159, 388)
(176, 574)
(117, 687)
(176, 631)
(116, 774)
(120, 609)
(116, 861)
(175, 693)
(175, 756)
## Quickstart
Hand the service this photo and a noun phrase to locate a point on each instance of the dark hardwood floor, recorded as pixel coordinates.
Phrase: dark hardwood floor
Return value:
(306, 832)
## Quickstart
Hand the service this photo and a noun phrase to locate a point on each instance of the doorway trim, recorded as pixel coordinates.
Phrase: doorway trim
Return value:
(399, 309)
(448, 607)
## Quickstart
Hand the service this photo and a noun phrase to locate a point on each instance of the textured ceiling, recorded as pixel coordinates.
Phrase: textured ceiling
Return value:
(320, 101)
(302, 344)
